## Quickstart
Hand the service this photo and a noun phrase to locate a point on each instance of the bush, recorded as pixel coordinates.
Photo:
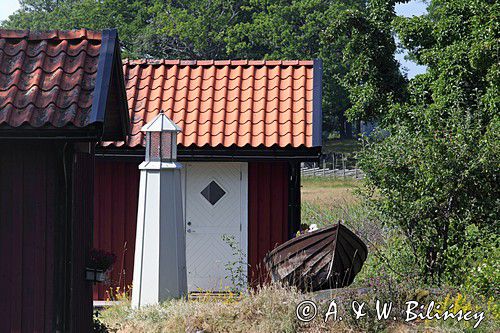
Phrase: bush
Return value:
(482, 270)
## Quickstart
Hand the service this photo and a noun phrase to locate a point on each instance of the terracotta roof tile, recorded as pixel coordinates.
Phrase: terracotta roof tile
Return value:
(47, 78)
(224, 102)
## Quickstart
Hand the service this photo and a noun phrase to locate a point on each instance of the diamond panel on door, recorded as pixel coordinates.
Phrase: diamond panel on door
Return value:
(213, 192)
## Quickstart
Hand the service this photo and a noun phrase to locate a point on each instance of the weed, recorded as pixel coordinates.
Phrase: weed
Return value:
(236, 268)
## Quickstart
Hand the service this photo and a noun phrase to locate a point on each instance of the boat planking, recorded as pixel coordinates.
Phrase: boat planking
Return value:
(326, 258)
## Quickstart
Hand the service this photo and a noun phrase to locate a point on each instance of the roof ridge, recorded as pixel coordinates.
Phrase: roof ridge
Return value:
(231, 62)
(51, 34)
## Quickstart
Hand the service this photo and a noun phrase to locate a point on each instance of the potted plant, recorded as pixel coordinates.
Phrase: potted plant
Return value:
(98, 264)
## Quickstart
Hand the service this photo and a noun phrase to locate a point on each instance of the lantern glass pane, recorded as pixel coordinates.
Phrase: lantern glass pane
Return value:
(166, 146)
(154, 146)
(174, 146)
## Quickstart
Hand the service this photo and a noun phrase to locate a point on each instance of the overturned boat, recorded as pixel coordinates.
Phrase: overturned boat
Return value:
(323, 259)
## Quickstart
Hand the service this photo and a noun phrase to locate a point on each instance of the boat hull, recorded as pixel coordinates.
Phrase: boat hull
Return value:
(323, 259)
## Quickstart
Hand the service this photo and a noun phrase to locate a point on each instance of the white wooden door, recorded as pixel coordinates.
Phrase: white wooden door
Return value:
(215, 205)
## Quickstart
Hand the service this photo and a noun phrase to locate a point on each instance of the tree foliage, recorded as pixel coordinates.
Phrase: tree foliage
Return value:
(352, 37)
(437, 172)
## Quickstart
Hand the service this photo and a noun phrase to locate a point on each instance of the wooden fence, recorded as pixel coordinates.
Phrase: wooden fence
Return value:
(332, 165)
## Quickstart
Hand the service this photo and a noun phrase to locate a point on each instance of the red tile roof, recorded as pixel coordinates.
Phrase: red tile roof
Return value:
(51, 79)
(47, 77)
(227, 102)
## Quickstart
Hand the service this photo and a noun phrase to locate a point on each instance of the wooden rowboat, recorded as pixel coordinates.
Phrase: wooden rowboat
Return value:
(322, 259)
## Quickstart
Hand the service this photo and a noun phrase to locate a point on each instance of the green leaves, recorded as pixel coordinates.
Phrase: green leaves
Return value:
(438, 170)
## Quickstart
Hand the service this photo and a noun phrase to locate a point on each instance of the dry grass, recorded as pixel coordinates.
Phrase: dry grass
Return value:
(270, 309)
(329, 190)
(267, 310)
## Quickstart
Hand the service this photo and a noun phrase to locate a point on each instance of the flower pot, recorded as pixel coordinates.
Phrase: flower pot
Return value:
(95, 275)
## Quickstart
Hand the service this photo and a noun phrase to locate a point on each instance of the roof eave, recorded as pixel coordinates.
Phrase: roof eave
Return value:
(87, 133)
(109, 63)
(317, 137)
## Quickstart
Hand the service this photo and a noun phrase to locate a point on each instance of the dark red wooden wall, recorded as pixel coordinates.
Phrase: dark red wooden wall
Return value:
(115, 215)
(267, 213)
(45, 236)
(29, 183)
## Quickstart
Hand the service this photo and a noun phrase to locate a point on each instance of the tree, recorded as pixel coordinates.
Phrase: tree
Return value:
(352, 37)
(194, 29)
(437, 172)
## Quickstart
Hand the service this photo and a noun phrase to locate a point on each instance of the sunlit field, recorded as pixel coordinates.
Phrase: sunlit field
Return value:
(324, 190)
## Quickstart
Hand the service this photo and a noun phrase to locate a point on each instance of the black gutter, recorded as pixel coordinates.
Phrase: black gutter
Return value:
(211, 158)
(235, 154)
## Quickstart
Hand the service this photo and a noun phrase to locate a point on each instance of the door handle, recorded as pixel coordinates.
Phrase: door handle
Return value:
(190, 231)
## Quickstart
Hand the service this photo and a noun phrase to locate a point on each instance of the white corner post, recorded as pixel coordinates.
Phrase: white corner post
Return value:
(160, 246)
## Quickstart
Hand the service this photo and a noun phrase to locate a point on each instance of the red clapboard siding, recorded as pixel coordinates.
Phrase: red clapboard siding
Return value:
(30, 183)
(116, 189)
(82, 213)
(115, 214)
(267, 213)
